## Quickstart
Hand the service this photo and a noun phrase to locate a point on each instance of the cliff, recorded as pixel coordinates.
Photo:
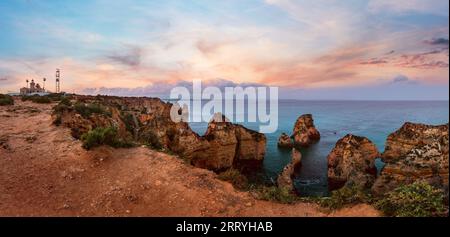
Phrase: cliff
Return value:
(352, 162)
(45, 172)
(415, 152)
(147, 121)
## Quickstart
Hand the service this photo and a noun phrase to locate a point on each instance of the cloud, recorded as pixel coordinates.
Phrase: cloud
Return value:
(162, 88)
(435, 58)
(292, 43)
(425, 60)
(390, 52)
(438, 7)
(375, 61)
(438, 41)
(402, 79)
(131, 56)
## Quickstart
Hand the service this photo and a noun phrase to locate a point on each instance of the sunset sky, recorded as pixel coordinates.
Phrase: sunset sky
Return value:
(321, 49)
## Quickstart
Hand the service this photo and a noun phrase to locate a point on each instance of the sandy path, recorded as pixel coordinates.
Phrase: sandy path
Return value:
(45, 172)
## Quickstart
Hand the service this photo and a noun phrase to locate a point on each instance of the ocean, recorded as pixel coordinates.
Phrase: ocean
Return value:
(334, 119)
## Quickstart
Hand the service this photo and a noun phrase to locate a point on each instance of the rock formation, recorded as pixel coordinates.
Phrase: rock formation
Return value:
(296, 157)
(304, 132)
(285, 141)
(284, 180)
(230, 144)
(352, 162)
(147, 121)
(415, 152)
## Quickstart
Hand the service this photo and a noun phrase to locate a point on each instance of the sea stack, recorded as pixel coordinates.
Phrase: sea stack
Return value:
(415, 152)
(305, 133)
(284, 180)
(285, 141)
(352, 162)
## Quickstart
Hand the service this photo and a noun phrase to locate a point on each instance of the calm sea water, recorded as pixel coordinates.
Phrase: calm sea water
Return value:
(334, 119)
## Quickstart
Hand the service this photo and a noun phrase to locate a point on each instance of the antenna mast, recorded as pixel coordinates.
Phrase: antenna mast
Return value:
(57, 80)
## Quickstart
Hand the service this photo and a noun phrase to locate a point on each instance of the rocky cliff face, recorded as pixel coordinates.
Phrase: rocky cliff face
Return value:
(352, 162)
(230, 144)
(147, 121)
(415, 152)
(304, 132)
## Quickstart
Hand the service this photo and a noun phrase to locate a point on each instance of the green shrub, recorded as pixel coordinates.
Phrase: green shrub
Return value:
(42, 100)
(153, 140)
(58, 120)
(415, 200)
(103, 136)
(128, 120)
(235, 177)
(345, 196)
(276, 194)
(59, 109)
(65, 101)
(6, 100)
(86, 110)
(56, 96)
(37, 99)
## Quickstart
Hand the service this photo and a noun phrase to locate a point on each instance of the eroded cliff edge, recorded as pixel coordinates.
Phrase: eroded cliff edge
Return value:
(45, 172)
(148, 121)
(415, 152)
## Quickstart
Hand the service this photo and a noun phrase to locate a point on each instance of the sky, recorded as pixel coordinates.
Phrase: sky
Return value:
(321, 49)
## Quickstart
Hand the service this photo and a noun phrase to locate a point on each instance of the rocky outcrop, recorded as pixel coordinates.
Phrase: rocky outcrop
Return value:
(296, 157)
(147, 121)
(352, 162)
(285, 178)
(222, 143)
(285, 141)
(304, 132)
(415, 152)
(251, 145)
(230, 144)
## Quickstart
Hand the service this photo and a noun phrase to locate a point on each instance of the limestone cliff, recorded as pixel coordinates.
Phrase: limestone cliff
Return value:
(352, 162)
(415, 152)
(147, 121)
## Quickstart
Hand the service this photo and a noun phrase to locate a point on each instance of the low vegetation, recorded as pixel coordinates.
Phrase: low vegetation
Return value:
(65, 101)
(86, 110)
(415, 200)
(37, 99)
(419, 199)
(62, 106)
(6, 100)
(152, 140)
(275, 194)
(103, 136)
(234, 177)
(58, 96)
(259, 190)
(129, 121)
(344, 197)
